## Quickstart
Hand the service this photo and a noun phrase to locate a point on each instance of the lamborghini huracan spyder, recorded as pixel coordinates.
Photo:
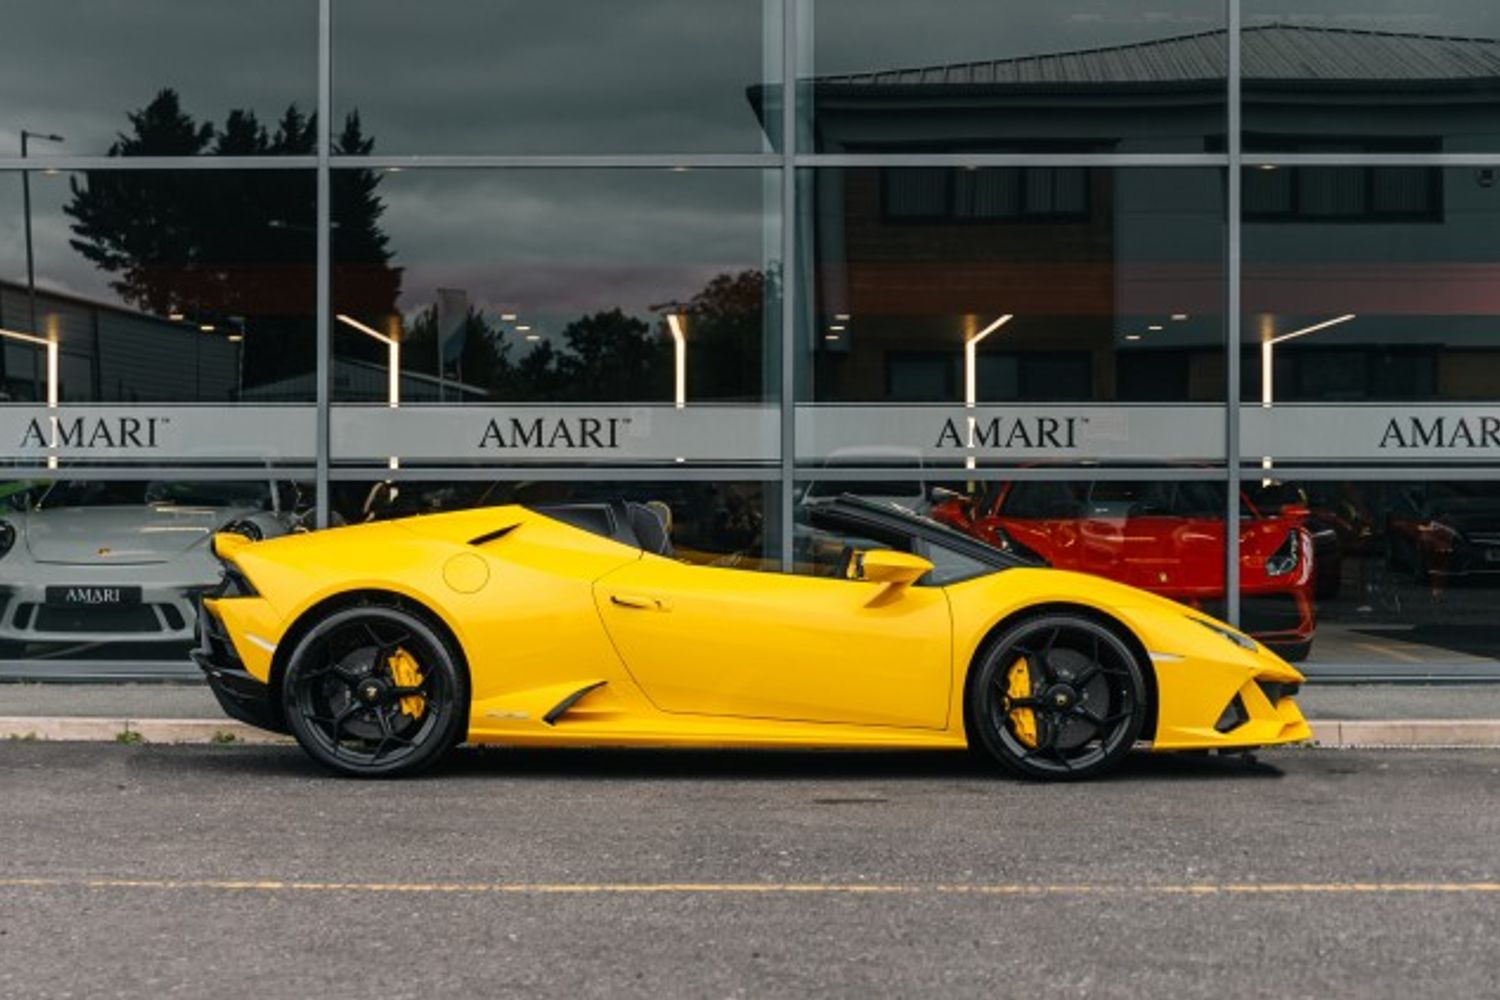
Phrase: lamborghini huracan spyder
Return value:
(381, 646)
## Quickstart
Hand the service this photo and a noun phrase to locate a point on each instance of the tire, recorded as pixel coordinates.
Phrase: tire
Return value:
(1070, 664)
(345, 703)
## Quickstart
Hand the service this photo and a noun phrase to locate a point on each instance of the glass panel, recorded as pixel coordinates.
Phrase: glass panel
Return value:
(158, 295)
(159, 77)
(729, 524)
(1105, 76)
(569, 76)
(1371, 76)
(1402, 575)
(1370, 313)
(542, 290)
(103, 576)
(1040, 289)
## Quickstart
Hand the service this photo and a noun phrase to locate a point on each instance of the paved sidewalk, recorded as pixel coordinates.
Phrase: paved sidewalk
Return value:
(1342, 714)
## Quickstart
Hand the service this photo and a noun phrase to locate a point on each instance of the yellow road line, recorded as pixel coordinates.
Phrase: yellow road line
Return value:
(763, 888)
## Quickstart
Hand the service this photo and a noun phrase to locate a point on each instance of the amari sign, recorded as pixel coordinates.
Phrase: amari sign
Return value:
(853, 435)
(1370, 432)
(159, 434)
(557, 434)
(940, 434)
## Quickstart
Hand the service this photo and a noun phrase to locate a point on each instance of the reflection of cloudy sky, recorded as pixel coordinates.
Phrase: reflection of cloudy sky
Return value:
(442, 76)
(555, 241)
(561, 76)
(75, 67)
(567, 242)
(867, 35)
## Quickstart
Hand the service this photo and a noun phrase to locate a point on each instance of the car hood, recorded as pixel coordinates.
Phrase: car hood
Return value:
(113, 536)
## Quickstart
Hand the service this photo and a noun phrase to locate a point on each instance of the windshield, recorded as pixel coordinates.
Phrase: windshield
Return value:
(132, 493)
(929, 527)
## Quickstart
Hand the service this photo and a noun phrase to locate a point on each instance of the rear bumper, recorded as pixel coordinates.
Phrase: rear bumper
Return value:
(241, 695)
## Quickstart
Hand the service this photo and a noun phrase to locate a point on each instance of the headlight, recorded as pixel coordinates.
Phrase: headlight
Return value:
(1284, 560)
(7, 537)
(1239, 639)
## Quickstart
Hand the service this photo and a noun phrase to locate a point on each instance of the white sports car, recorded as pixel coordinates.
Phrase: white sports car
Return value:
(123, 561)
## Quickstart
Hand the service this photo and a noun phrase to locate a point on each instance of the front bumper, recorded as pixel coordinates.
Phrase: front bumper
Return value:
(1229, 701)
(241, 695)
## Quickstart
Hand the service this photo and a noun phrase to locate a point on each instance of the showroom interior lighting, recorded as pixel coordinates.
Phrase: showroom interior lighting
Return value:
(51, 346)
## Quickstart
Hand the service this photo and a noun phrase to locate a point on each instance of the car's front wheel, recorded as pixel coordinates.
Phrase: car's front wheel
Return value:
(374, 691)
(1058, 696)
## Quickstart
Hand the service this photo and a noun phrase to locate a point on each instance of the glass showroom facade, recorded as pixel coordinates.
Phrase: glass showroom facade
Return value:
(1092, 279)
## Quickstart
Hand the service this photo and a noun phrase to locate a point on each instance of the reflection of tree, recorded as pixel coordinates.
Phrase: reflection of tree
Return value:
(609, 355)
(725, 327)
(233, 247)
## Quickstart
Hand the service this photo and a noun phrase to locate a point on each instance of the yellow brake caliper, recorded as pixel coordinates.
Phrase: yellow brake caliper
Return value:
(1018, 685)
(405, 673)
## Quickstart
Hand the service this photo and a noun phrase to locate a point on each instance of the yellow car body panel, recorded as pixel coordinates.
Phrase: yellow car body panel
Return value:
(646, 650)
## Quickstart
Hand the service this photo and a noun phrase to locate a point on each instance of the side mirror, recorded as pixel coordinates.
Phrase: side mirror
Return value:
(888, 566)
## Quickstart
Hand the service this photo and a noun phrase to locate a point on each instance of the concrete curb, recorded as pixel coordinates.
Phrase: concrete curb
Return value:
(97, 729)
(1408, 733)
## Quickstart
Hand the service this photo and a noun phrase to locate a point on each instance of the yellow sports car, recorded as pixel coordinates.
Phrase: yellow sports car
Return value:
(381, 646)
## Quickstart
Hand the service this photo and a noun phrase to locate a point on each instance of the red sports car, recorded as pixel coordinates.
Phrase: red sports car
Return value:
(1166, 537)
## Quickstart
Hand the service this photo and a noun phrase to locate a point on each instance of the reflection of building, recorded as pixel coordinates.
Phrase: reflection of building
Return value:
(1115, 275)
(109, 354)
(1168, 95)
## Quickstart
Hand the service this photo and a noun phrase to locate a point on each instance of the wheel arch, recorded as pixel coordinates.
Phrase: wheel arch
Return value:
(1115, 625)
(366, 596)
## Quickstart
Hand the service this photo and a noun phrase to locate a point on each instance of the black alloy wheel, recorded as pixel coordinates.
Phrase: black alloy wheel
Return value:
(374, 691)
(1057, 697)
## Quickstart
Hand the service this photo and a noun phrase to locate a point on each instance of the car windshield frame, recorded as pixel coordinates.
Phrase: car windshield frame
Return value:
(920, 527)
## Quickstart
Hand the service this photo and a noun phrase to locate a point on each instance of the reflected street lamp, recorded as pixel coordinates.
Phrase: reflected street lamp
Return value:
(1268, 366)
(971, 375)
(393, 347)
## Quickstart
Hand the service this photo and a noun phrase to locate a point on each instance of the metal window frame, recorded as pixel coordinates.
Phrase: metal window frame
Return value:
(787, 162)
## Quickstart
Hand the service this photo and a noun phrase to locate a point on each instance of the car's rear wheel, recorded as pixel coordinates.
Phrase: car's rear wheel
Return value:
(1058, 696)
(374, 691)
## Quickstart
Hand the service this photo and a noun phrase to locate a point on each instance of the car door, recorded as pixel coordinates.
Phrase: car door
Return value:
(789, 646)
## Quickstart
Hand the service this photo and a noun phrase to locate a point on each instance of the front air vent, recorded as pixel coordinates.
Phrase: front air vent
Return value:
(1235, 715)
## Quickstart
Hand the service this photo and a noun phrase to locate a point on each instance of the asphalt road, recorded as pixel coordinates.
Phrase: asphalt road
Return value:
(243, 872)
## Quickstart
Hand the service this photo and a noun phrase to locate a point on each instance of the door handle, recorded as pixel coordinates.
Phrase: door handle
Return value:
(638, 602)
